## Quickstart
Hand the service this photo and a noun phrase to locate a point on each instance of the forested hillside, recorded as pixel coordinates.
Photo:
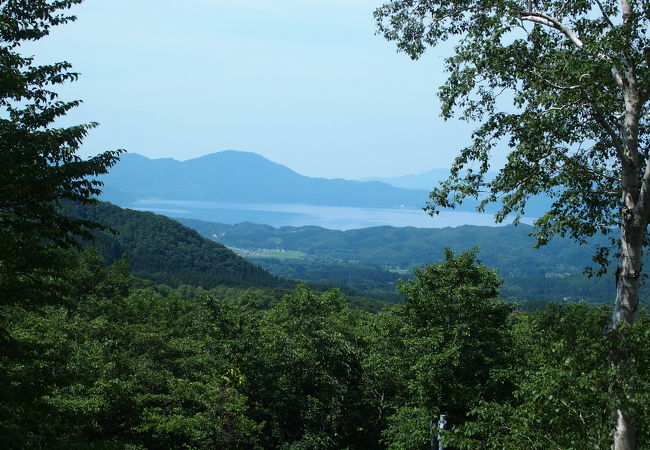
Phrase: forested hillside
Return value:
(373, 259)
(162, 250)
(121, 329)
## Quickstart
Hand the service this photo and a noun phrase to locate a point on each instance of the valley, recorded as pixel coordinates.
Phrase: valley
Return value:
(373, 260)
(359, 235)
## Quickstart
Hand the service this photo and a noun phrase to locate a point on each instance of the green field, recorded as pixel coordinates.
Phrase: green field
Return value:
(269, 253)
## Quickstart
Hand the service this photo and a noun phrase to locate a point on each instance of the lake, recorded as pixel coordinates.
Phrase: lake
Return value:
(332, 217)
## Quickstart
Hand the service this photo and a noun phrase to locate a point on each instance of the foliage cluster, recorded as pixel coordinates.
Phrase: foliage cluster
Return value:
(38, 161)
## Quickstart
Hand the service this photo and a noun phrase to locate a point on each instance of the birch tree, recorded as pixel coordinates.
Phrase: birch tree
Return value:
(574, 76)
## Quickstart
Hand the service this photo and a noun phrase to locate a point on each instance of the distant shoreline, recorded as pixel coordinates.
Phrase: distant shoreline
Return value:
(330, 217)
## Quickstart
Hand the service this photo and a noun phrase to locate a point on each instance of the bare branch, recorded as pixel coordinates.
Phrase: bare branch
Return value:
(554, 84)
(549, 21)
(605, 16)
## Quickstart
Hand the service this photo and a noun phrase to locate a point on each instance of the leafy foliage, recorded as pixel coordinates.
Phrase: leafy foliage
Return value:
(313, 341)
(39, 163)
(577, 74)
(561, 397)
(117, 364)
(556, 61)
(444, 343)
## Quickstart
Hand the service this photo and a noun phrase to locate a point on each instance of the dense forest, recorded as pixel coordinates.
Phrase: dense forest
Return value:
(162, 250)
(115, 364)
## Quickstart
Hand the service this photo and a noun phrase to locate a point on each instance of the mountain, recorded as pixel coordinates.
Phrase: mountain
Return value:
(232, 176)
(162, 250)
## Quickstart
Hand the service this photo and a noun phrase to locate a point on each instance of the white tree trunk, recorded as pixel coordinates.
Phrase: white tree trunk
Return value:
(635, 207)
(627, 299)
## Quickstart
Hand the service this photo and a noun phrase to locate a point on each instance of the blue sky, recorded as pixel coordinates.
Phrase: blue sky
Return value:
(305, 83)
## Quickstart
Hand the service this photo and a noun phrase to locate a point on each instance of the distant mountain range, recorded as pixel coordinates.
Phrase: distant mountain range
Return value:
(430, 179)
(421, 181)
(232, 176)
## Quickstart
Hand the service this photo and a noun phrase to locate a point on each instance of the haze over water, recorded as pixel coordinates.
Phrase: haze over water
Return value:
(332, 217)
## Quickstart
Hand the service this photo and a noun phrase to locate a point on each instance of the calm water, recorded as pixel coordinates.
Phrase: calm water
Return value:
(333, 217)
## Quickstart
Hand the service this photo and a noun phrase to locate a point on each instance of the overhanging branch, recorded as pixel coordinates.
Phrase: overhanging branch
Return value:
(549, 21)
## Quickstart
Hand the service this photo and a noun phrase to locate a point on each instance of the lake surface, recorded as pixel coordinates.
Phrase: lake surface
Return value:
(332, 217)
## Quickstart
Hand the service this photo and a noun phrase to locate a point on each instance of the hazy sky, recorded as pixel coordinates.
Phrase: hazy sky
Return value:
(305, 83)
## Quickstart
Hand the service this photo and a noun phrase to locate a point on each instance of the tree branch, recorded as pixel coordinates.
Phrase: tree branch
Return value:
(605, 15)
(616, 139)
(549, 21)
(583, 166)
(450, 14)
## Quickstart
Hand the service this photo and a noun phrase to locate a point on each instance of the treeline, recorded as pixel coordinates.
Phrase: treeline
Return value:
(366, 279)
(117, 363)
(379, 283)
(508, 248)
(160, 249)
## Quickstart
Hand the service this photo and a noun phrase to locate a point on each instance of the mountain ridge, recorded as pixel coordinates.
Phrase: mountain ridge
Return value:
(419, 181)
(235, 176)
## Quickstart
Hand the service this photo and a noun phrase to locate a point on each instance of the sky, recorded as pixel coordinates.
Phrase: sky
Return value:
(304, 83)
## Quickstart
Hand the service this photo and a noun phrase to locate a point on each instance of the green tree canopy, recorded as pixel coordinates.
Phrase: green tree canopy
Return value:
(39, 164)
(577, 73)
(311, 350)
(437, 354)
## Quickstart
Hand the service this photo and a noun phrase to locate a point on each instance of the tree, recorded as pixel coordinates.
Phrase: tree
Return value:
(560, 380)
(437, 353)
(578, 129)
(39, 165)
(560, 397)
(311, 354)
